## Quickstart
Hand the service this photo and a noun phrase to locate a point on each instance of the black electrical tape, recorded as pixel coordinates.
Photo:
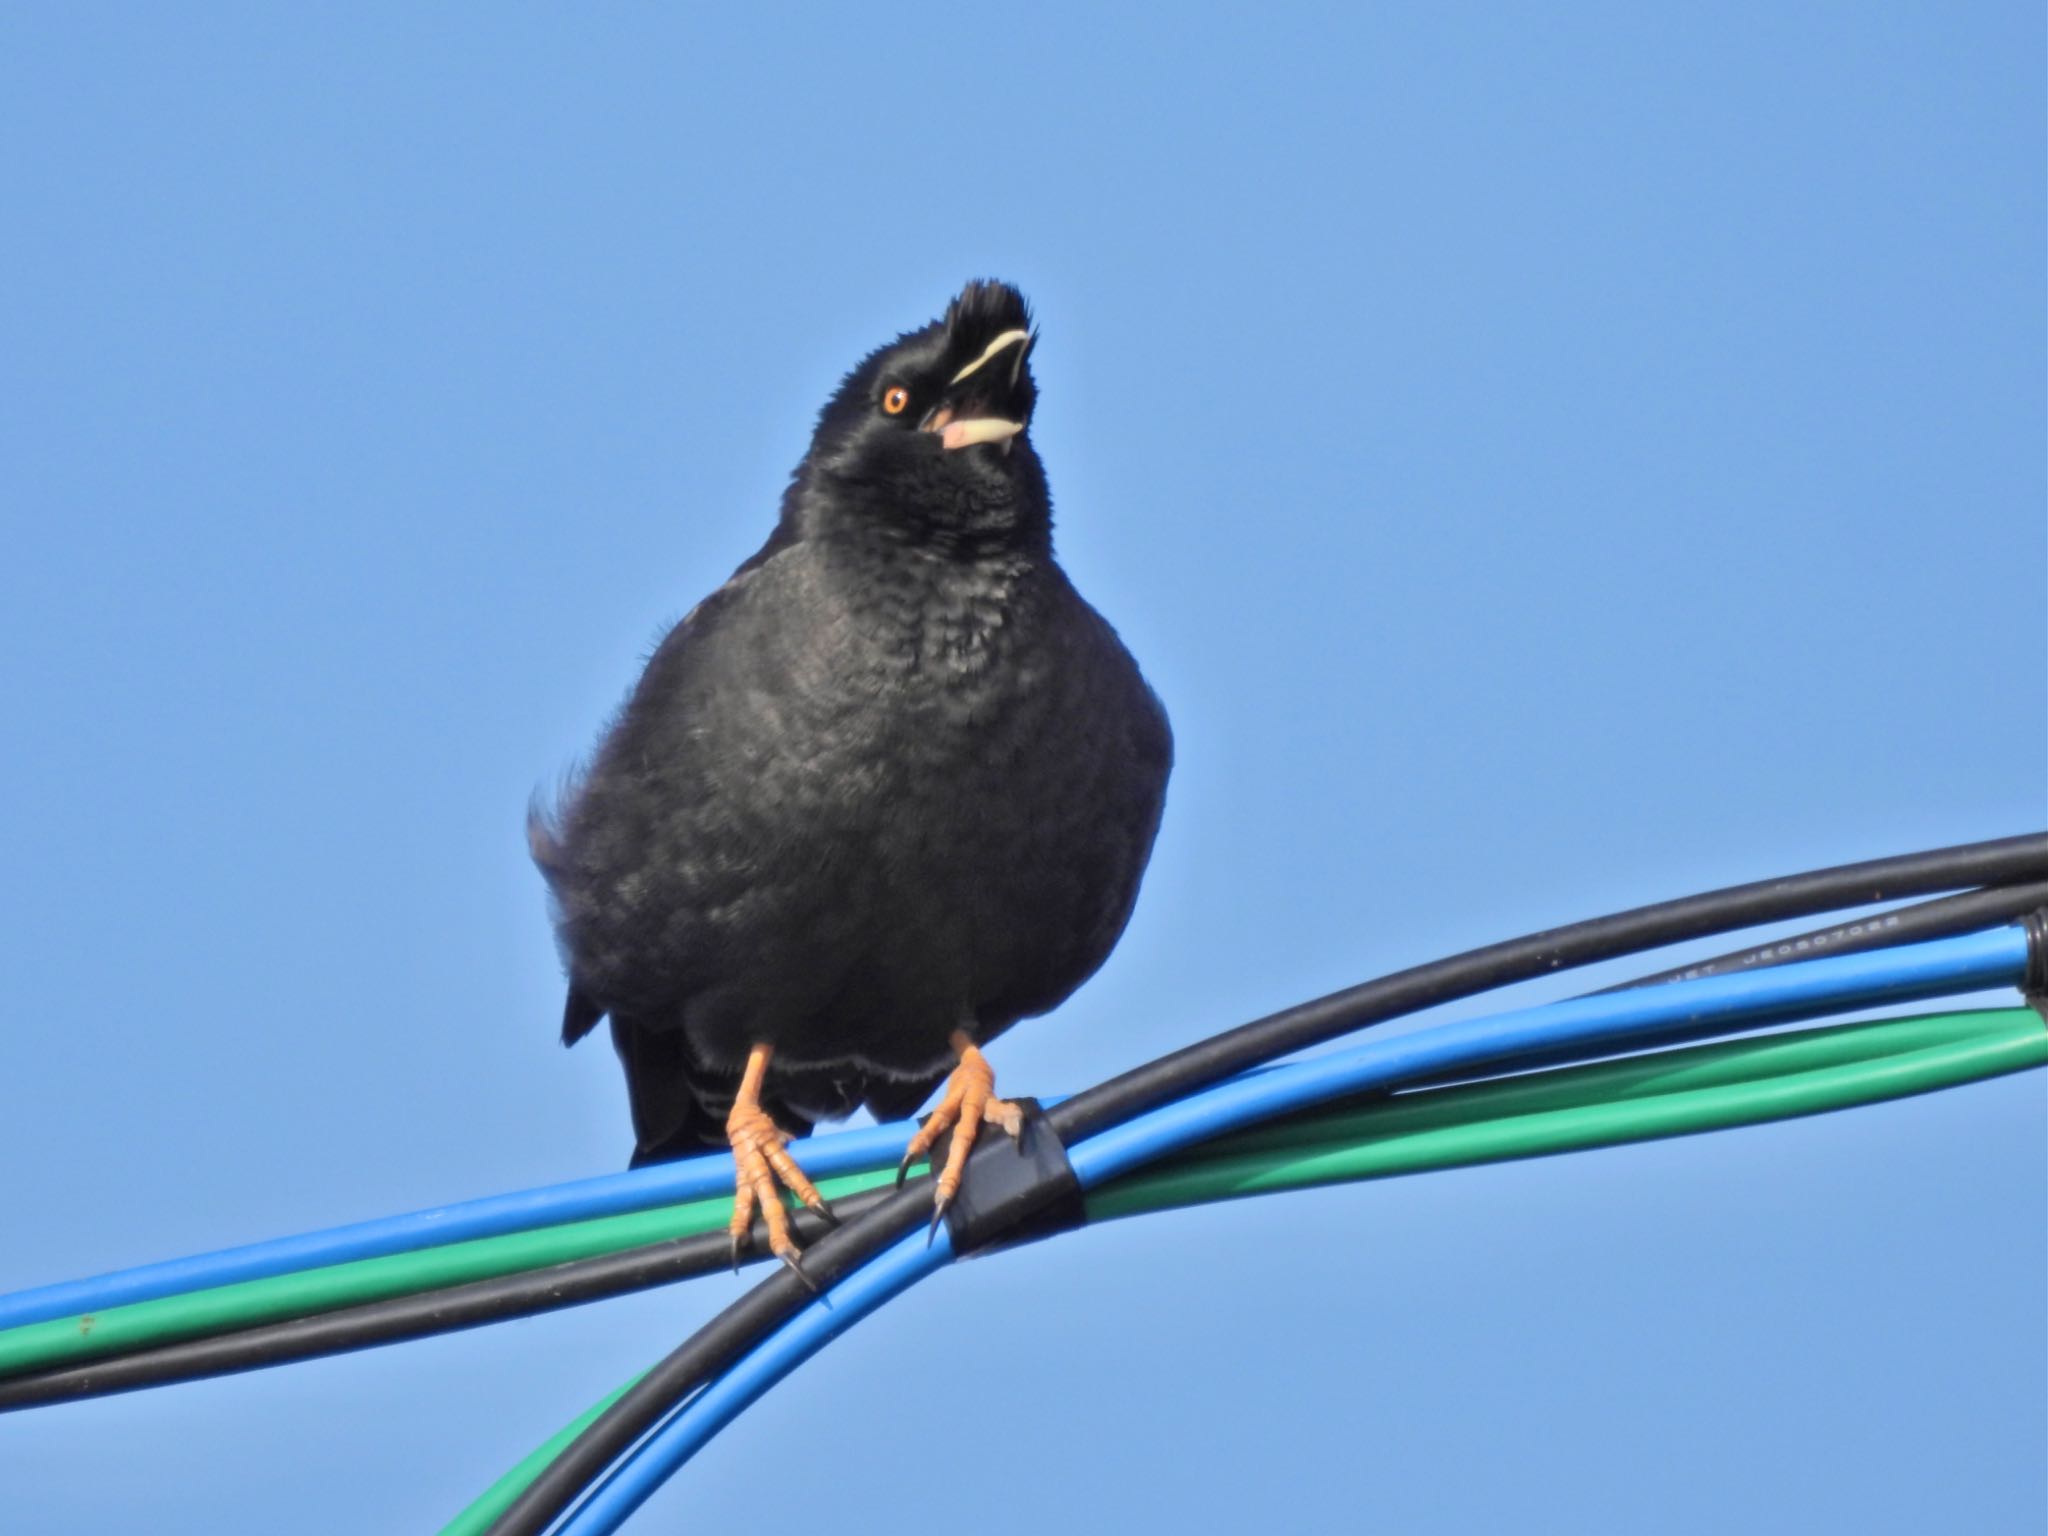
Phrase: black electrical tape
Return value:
(1012, 1191)
(2035, 983)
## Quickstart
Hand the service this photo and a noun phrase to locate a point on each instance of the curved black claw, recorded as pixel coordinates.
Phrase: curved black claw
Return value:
(903, 1169)
(790, 1262)
(938, 1215)
(736, 1253)
(824, 1213)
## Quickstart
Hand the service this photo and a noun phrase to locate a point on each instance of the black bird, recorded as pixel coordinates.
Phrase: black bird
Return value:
(888, 790)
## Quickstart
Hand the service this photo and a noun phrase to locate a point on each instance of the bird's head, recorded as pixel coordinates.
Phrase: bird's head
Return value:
(933, 430)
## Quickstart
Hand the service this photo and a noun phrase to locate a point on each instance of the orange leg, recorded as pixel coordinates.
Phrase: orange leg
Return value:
(760, 1157)
(969, 1103)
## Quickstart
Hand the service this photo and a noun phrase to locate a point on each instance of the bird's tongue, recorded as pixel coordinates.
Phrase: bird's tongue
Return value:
(978, 429)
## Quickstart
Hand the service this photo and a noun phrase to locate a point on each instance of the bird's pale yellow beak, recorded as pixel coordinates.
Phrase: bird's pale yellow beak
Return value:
(995, 349)
(978, 429)
(965, 433)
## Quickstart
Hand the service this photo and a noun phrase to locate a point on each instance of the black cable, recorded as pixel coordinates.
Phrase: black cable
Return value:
(1940, 919)
(596, 1278)
(401, 1318)
(2005, 861)
(743, 1324)
(708, 1351)
(602, 1276)
(576, 1282)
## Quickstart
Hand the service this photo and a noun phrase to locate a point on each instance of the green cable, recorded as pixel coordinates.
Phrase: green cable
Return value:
(225, 1308)
(497, 1498)
(1638, 1098)
(1664, 1094)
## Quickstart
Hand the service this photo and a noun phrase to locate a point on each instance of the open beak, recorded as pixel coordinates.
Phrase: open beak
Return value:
(978, 429)
(978, 417)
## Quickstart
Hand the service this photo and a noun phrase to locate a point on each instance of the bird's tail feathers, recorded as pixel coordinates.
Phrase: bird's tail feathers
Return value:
(579, 1016)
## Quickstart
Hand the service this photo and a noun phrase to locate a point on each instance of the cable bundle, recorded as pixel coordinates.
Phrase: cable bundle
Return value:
(1170, 1133)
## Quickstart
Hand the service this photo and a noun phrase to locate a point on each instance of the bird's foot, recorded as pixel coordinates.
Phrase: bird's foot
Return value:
(969, 1104)
(760, 1158)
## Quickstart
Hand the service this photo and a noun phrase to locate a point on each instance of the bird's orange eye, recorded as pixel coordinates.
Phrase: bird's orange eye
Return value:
(897, 400)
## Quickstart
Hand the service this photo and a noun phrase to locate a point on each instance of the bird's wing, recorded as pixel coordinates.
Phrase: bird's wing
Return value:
(548, 815)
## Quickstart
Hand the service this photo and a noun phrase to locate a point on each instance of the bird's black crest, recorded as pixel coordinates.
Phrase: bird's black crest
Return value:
(987, 308)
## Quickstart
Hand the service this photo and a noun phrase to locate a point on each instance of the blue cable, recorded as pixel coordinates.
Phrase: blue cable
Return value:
(610, 1194)
(630, 1483)
(1614, 1021)
(1674, 1011)
(493, 1216)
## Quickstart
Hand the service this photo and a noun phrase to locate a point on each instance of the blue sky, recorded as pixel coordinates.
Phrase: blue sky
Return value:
(1547, 460)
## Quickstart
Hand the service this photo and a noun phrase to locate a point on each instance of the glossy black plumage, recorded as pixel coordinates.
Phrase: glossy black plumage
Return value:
(893, 779)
